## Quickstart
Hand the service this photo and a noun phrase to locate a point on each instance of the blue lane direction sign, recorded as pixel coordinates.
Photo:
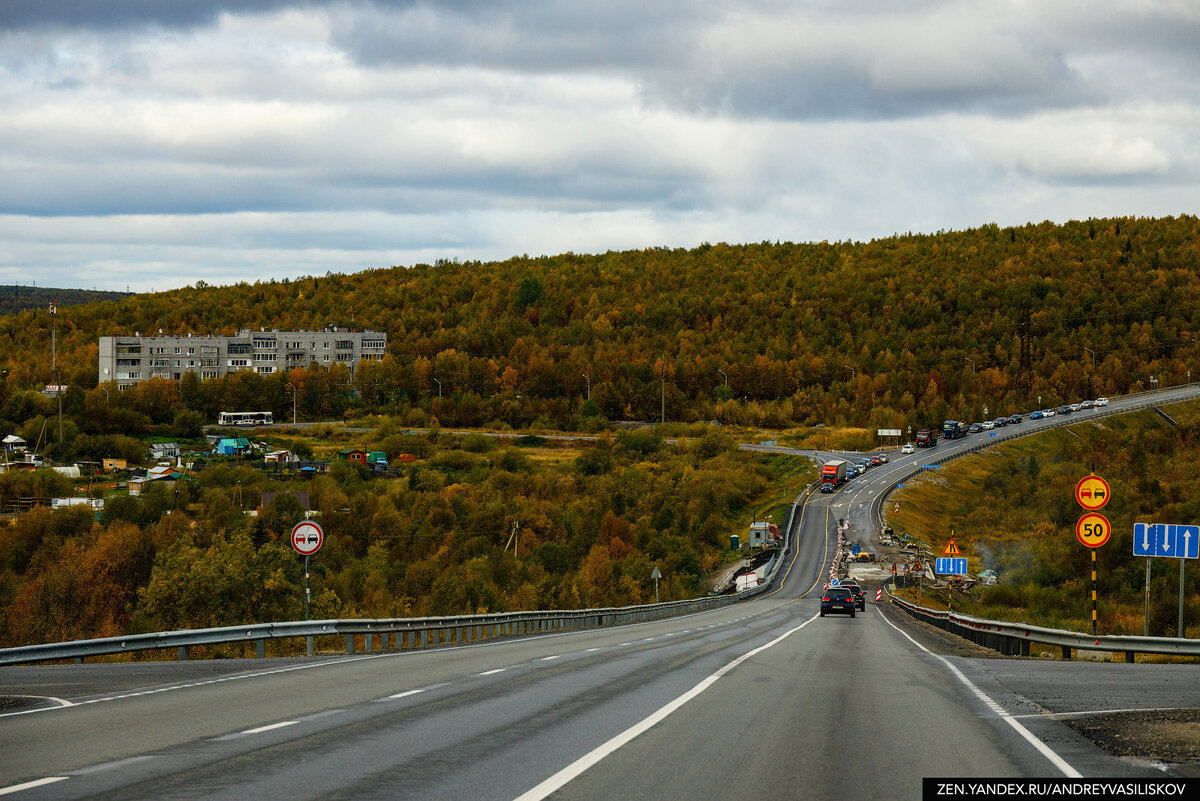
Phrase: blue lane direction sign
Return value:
(951, 565)
(1163, 539)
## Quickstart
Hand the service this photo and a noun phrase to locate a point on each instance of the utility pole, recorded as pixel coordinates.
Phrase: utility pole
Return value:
(589, 385)
(54, 366)
(663, 377)
(292, 387)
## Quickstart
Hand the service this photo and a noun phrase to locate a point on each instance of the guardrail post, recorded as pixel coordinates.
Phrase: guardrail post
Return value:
(368, 642)
(183, 653)
(349, 643)
(260, 648)
(1024, 647)
(424, 637)
(308, 644)
(1129, 657)
(1066, 652)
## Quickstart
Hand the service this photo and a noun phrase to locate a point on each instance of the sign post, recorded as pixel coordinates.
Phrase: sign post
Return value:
(307, 538)
(1093, 529)
(656, 575)
(1161, 539)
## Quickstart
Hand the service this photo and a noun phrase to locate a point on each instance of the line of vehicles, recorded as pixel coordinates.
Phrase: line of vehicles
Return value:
(955, 429)
(836, 472)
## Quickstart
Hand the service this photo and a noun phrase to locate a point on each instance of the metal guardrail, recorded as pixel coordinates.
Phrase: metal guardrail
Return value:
(394, 633)
(1015, 639)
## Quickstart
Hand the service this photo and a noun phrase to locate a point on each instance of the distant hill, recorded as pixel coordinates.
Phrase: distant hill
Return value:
(900, 332)
(15, 298)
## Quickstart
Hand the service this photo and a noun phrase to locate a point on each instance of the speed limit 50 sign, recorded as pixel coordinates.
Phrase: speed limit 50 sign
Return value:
(1093, 529)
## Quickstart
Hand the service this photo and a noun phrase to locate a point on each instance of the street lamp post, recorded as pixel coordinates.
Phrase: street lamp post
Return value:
(105, 391)
(972, 361)
(439, 383)
(589, 385)
(851, 369)
(1093, 354)
(292, 387)
(722, 372)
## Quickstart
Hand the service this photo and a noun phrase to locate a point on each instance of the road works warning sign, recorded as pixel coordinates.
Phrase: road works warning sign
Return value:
(951, 549)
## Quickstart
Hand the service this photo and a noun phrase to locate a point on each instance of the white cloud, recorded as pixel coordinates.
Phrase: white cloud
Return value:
(284, 139)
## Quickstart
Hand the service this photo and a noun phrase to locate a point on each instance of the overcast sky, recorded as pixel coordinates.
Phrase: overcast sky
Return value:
(152, 143)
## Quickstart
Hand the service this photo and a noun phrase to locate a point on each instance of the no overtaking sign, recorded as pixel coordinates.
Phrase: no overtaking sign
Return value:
(307, 538)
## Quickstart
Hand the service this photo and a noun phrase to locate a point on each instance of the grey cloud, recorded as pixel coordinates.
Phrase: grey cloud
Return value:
(110, 14)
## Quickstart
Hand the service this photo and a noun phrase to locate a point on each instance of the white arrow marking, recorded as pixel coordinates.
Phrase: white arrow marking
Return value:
(1145, 537)
(1187, 543)
(1166, 539)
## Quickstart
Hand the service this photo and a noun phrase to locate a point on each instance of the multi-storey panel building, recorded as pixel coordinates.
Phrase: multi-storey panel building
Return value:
(128, 360)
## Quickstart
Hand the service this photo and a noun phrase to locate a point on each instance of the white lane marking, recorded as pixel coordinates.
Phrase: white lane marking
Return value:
(491, 672)
(404, 694)
(271, 726)
(590, 650)
(1084, 714)
(120, 763)
(579, 766)
(1029, 737)
(16, 788)
(549, 658)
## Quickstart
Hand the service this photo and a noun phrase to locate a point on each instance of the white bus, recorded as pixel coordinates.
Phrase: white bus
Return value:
(246, 419)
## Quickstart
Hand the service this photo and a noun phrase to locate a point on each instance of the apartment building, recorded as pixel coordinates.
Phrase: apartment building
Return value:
(130, 359)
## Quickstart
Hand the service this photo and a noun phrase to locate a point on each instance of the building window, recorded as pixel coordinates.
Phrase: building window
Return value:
(191, 351)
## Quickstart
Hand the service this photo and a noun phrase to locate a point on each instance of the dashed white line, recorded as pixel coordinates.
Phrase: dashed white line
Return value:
(405, 694)
(16, 788)
(548, 658)
(579, 766)
(271, 727)
(491, 672)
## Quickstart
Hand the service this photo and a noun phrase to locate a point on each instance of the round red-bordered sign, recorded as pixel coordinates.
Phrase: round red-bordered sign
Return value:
(1093, 530)
(1092, 492)
(307, 537)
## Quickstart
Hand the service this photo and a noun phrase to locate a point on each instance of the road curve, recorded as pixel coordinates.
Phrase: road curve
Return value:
(762, 699)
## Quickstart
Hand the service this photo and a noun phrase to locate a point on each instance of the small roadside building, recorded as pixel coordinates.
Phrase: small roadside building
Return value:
(164, 450)
(233, 447)
(354, 455)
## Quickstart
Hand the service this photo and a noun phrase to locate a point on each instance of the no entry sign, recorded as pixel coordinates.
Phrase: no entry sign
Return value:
(307, 538)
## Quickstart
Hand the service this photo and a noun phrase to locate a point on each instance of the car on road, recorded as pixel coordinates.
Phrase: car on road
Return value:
(883, 458)
(1035, 415)
(1101, 402)
(1064, 409)
(863, 464)
(1013, 419)
(876, 461)
(837, 601)
(908, 448)
(851, 471)
(1000, 422)
(1047, 412)
(1075, 407)
(987, 425)
(975, 428)
(1087, 404)
(860, 597)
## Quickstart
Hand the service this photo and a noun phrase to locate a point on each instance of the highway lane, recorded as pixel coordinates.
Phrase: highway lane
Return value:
(760, 698)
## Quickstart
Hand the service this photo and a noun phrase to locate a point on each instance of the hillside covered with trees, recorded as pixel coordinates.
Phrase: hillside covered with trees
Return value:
(896, 332)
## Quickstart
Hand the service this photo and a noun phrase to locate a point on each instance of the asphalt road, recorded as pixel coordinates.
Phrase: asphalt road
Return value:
(762, 699)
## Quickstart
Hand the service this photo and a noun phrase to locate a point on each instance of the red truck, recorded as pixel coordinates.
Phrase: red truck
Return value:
(927, 437)
(833, 475)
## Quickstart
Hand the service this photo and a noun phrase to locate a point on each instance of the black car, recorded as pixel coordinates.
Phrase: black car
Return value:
(837, 600)
(1014, 419)
(860, 598)
(975, 428)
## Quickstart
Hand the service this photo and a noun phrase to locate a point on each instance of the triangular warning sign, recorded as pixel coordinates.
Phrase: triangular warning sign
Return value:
(951, 549)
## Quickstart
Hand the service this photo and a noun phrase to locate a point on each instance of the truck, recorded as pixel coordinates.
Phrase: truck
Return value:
(833, 475)
(927, 437)
(952, 429)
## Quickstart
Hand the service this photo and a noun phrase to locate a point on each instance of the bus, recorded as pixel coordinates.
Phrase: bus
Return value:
(246, 419)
